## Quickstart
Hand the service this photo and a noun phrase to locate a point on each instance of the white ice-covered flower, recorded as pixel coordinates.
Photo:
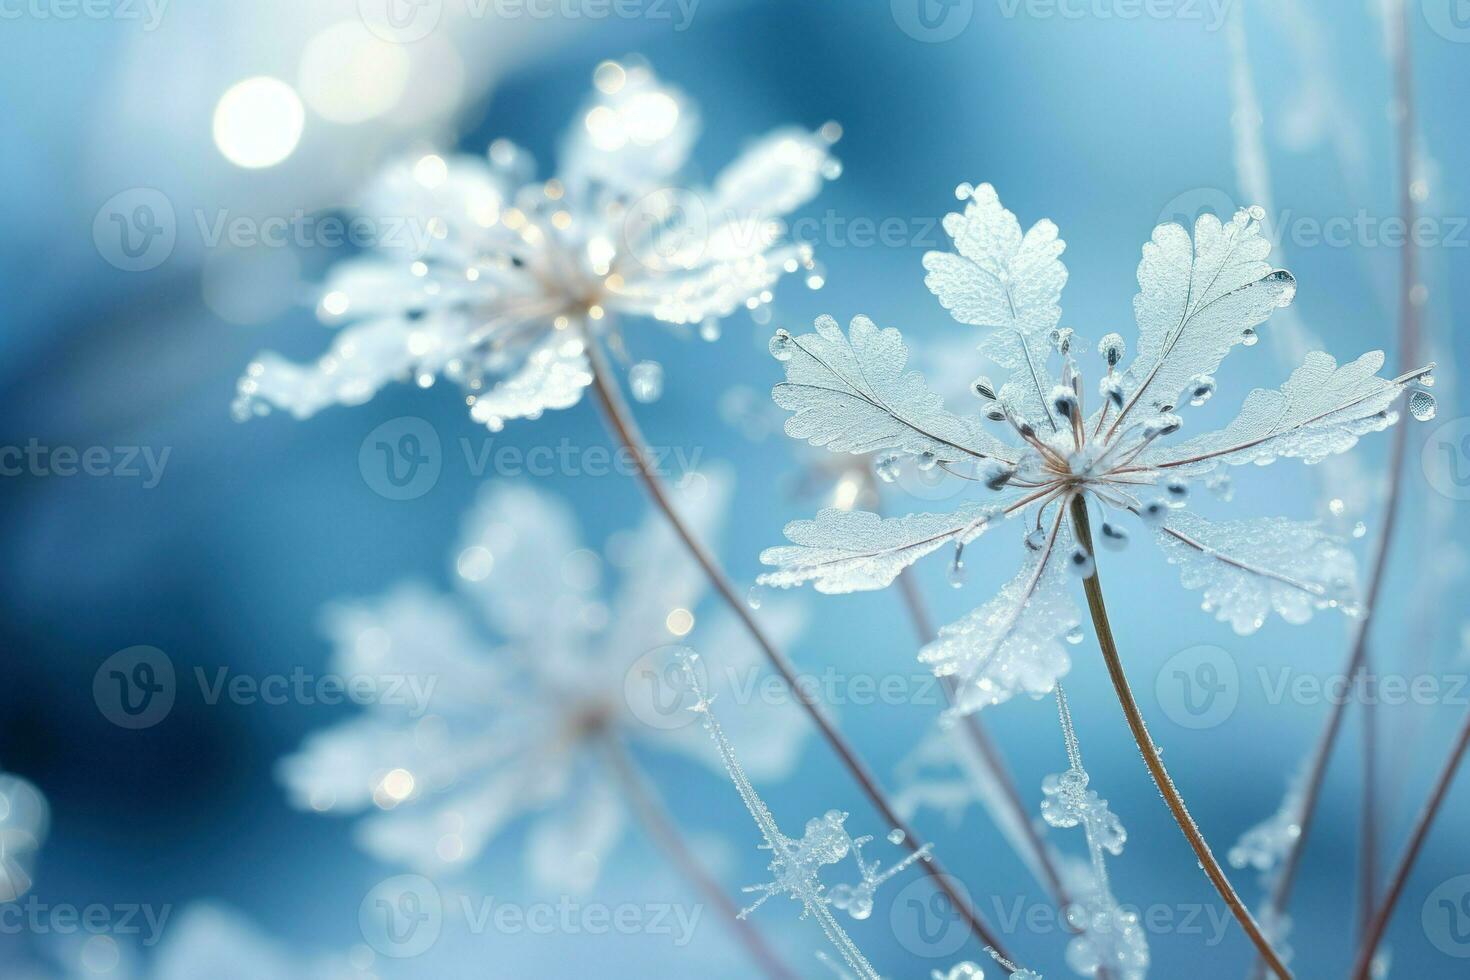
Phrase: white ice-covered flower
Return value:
(1199, 298)
(25, 819)
(484, 732)
(498, 282)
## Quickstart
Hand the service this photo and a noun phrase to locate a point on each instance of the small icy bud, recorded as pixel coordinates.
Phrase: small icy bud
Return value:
(1155, 512)
(1178, 491)
(1064, 402)
(1112, 349)
(1111, 388)
(995, 413)
(1114, 538)
(1061, 339)
(1081, 563)
(984, 388)
(1163, 425)
(1026, 429)
(996, 474)
(1201, 387)
(887, 467)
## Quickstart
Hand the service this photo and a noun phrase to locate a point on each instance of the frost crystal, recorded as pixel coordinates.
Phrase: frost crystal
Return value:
(1109, 941)
(498, 283)
(1199, 297)
(796, 864)
(481, 734)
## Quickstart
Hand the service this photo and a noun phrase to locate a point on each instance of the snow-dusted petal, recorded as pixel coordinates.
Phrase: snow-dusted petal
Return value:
(553, 376)
(1197, 300)
(854, 551)
(1015, 642)
(567, 845)
(776, 175)
(1248, 569)
(852, 395)
(631, 139)
(1321, 410)
(1000, 278)
(414, 203)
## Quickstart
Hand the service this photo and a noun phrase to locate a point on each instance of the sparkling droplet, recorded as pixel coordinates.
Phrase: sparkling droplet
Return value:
(1249, 337)
(887, 467)
(782, 345)
(1360, 529)
(754, 596)
(927, 461)
(1074, 635)
(1422, 405)
(1081, 563)
(709, 329)
(1201, 387)
(1427, 380)
(646, 381)
(896, 836)
(1114, 538)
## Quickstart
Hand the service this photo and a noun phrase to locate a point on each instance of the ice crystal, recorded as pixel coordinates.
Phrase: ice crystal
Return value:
(498, 283)
(1109, 940)
(970, 971)
(1199, 297)
(523, 728)
(796, 863)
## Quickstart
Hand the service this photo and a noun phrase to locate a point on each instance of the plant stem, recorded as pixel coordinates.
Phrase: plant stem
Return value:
(1379, 922)
(1368, 819)
(1408, 353)
(1093, 586)
(664, 833)
(625, 429)
(989, 752)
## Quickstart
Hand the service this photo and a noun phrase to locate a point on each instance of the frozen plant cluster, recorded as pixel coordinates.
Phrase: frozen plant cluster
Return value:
(543, 679)
(499, 282)
(1199, 298)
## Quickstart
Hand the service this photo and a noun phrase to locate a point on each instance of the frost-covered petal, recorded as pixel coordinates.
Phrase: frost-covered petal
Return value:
(1197, 299)
(1015, 642)
(553, 376)
(414, 203)
(631, 138)
(1000, 278)
(853, 550)
(1250, 568)
(1321, 410)
(774, 176)
(567, 845)
(851, 394)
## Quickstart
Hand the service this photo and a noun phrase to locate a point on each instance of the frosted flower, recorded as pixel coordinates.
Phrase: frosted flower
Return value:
(25, 819)
(498, 283)
(1199, 298)
(525, 729)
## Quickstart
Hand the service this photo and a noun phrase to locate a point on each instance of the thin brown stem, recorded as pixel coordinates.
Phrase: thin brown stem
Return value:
(625, 429)
(1368, 819)
(1408, 353)
(1381, 917)
(664, 833)
(1093, 587)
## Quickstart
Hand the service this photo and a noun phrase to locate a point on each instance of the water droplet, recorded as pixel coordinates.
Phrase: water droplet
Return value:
(1360, 529)
(754, 596)
(1036, 540)
(995, 413)
(1422, 405)
(1257, 212)
(1081, 563)
(963, 191)
(887, 467)
(1178, 491)
(1114, 538)
(782, 345)
(709, 329)
(956, 573)
(927, 461)
(1201, 387)
(1249, 337)
(896, 836)
(1427, 379)
(1074, 635)
(646, 381)
(1336, 507)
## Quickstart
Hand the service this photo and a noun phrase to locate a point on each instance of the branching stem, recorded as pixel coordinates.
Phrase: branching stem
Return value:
(1093, 586)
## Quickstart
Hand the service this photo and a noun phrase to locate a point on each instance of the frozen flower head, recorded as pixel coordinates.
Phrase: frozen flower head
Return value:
(509, 697)
(1113, 434)
(25, 819)
(498, 282)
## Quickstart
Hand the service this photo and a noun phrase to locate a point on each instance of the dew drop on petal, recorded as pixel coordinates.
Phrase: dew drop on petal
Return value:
(887, 467)
(781, 345)
(1422, 406)
(1074, 635)
(754, 596)
(1249, 337)
(1201, 387)
(1360, 529)
(927, 461)
(896, 836)
(646, 381)
(1427, 379)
